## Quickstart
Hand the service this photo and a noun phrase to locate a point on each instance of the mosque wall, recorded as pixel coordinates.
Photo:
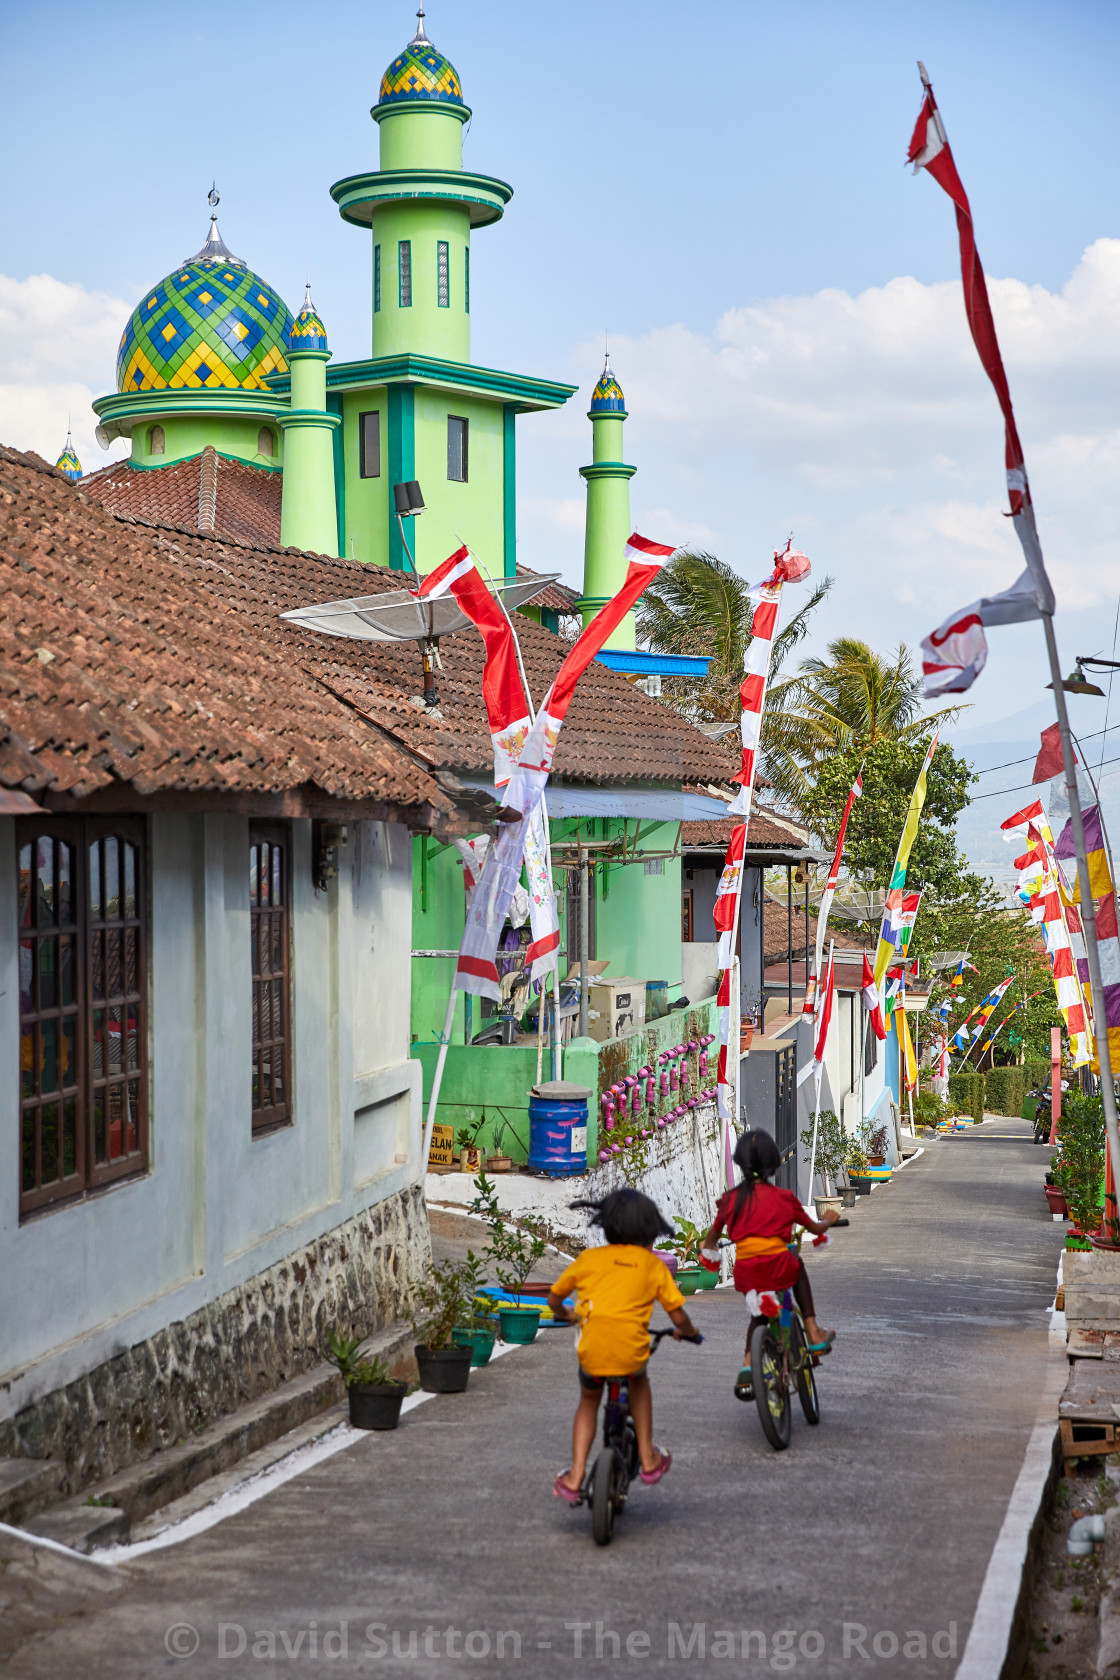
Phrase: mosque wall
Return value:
(231, 1249)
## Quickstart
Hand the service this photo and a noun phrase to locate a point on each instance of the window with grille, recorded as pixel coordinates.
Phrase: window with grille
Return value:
(457, 448)
(83, 928)
(369, 445)
(270, 929)
(467, 278)
(376, 278)
(443, 277)
(404, 273)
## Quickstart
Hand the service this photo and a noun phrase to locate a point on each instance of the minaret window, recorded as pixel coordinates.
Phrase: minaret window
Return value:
(467, 277)
(156, 441)
(443, 278)
(266, 442)
(456, 448)
(376, 279)
(404, 273)
(369, 444)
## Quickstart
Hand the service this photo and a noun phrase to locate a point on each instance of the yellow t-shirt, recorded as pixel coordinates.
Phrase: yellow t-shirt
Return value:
(615, 1287)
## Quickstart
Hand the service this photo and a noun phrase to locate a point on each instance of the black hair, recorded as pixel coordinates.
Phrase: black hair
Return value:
(626, 1216)
(758, 1158)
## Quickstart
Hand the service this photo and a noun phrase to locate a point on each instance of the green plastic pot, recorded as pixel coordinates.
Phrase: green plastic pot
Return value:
(691, 1278)
(519, 1324)
(480, 1342)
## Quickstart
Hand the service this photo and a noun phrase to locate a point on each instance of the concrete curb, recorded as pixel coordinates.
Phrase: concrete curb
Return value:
(997, 1639)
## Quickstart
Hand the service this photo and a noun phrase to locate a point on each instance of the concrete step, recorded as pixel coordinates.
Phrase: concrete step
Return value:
(26, 1485)
(275, 1424)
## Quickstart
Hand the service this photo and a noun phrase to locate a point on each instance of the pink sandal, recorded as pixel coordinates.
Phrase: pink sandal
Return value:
(649, 1477)
(570, 1495)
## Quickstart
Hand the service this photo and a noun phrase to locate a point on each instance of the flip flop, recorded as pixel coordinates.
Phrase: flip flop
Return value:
(821, 1348)
(744, 1387)
(664, 1461)
(570, 1495)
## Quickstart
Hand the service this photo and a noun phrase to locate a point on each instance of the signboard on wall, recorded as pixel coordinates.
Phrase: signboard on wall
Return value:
(442, 1153)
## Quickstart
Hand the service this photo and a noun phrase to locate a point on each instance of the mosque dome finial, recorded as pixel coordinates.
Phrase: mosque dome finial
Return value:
(307, 330)
(68, 463)
(607, 397)
(420, 72)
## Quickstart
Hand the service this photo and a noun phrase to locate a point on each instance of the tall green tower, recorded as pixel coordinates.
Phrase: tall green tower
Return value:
(308, 517)
(418, 408)
(607, 524)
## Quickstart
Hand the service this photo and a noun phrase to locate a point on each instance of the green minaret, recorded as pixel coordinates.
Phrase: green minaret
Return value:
(308, 511)
(607, 524)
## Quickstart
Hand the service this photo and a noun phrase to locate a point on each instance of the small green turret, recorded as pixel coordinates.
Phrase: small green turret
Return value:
(308, 514)
(607, 524)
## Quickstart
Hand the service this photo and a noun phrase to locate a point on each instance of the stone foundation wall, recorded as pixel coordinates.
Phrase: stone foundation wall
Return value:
(357, 1279)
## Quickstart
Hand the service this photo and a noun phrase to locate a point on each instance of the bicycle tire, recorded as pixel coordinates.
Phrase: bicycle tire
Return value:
(630, 1449)
(604, 1488)
(770, 1391)
(806, 1377)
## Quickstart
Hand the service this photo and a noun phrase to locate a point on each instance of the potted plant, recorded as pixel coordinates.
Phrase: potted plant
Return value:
(479, 1326)
(514, 1251)
(685, 1244)
(470, 1155)
(1078, 1170)
(874, 1139)
(439, 1307)
(374, 1397)
(832, 1147)
(855, 1166)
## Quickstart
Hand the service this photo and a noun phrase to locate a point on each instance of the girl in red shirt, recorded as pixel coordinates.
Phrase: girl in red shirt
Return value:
(759, 1218)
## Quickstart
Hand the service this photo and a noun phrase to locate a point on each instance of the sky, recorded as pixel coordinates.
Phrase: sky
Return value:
(720, 189)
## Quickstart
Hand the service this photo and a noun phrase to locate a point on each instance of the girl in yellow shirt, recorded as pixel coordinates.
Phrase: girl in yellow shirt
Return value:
(615, 1287)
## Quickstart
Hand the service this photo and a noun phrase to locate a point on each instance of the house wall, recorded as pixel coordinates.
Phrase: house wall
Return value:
(220, 1214)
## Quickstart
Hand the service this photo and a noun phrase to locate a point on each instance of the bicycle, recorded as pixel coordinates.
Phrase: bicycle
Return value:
(780, 1362)
(608, 1480)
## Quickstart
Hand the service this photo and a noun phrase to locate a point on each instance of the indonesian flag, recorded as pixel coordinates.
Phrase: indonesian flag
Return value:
(727, 893)
(870, 996)
(788, 566)
(954, 655)
(824, 1020)
(507, 707)
(476, 970)
(829, 894)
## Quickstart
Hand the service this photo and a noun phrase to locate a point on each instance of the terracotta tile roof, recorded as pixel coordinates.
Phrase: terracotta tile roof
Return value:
(776, 929)
(244, 502)
(118, 667)
(613, 732)
(555, 595)
(762, 831)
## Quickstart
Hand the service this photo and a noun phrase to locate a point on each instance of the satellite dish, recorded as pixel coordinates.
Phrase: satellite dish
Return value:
(102, 437)
(399, 615)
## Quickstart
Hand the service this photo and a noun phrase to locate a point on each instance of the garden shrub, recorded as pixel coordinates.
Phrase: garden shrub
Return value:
(1005, 1090)
(966, 1094)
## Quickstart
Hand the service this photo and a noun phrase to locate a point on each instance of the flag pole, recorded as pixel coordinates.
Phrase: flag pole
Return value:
(1088, 909)
(437, 1077)
(817, 1082)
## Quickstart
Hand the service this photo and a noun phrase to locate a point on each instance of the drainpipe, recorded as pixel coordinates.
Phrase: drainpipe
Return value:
(584, 934)
(1082, 1535)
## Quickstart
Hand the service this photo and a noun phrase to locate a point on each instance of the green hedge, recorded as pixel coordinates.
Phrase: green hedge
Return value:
(1005, 1090)
(1036, 1073)
(966, 1094)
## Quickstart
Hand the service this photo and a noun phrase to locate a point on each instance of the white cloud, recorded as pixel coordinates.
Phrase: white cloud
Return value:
(58, 346)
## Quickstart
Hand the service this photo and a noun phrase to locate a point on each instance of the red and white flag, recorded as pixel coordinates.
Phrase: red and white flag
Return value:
(809, 1006)
(476, 970)
(789, 565)
(871, 1001)
(727, 894)
(824, 1019)
(954, 655)
(507, 706)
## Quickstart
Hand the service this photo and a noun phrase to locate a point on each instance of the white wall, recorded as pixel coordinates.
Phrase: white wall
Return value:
(86, 1281)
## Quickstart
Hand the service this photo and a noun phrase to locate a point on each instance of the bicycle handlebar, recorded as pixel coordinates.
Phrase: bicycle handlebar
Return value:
(656, 1337)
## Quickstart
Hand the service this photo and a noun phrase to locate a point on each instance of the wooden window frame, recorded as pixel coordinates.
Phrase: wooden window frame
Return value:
(270, 1116)
(92, 961)
(363, 452)
(686, 916)
(404, 274)
(443, 274)
(459, 420)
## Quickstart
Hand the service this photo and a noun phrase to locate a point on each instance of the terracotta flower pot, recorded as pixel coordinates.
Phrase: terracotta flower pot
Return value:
(1057, 1201)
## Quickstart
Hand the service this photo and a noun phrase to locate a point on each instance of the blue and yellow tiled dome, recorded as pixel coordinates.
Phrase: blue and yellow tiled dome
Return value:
(307, 330)
(68, 463)
(420, 72)
(607, 397)
(212, 323)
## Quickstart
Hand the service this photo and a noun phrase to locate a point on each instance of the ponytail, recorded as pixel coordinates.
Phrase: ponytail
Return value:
(758, 1158)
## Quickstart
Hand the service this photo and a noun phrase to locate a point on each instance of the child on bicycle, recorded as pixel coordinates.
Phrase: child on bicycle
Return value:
(759, 1218)
(616, 1285)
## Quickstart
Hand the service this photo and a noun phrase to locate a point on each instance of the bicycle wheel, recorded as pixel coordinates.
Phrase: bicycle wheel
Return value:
(802, 1362)
(770, 1391)
(630, 1449)
(604, 1490)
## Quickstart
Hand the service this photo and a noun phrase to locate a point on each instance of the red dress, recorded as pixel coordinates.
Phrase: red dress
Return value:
(769, 1214)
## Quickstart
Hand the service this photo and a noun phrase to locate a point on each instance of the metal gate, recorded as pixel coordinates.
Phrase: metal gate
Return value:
(785, 1116)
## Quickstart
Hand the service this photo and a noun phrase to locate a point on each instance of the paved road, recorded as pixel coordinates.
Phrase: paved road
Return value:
(883, 1517)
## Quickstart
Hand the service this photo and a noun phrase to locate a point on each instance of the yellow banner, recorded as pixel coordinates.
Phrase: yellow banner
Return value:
(888, 950)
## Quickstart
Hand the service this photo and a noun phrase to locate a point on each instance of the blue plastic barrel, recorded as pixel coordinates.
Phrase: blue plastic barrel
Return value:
(558, 1128)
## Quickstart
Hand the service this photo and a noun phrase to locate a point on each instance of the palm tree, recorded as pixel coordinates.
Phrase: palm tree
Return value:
(852, 699)
(699, 605)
